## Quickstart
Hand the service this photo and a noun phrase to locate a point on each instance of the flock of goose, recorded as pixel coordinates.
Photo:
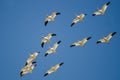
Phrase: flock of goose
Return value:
(31, 63)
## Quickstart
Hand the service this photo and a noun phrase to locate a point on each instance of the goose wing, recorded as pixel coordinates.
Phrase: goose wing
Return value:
(44, 40)
(85, 40)
(56, 45)
(100, 41)
(58, 65)
(49, 18)
(75, 44)
(55, 13)
(48, 52)
(105, 6)
(48, 72)
(74, 21)
(96, 13)
(110, 35)
(46, 22)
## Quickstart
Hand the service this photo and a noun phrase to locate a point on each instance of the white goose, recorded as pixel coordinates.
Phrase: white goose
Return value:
(53, 69)
(47, 39)
(32, 57)
(53, 49)
(80, 43)
(102, 10)
(28, 68)
(78, 18)
(107, 38)
(51, 17)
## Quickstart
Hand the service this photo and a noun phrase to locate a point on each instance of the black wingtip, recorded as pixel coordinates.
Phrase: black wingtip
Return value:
(34, 62)
(53, 34)
(45, 74)
(58, 42)
(108, 3)
(72, 45)
(98, 42)
(46, 23)
(93, 14)
(72, 24)
(21, 74)
(89, 38)
(61, 63)
(46, 54)
(42, 44)
(58, 13)
(114, 33)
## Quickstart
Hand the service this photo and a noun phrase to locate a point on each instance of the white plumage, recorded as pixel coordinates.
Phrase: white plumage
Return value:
(32, 57)
(78, 18)
(53, 49)
(47, 39)
(28, 68)
(53, 69)
(80, 43)
(107, 38)
(51, 17)
(102, 10)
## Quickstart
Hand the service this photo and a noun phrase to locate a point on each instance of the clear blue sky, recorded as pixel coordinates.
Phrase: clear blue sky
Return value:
(22, 28)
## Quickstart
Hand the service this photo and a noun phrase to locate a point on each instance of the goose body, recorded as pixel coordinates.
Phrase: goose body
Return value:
(32, 57)
(47, 39)
(28, 68)
(80, 43)
(107, 38)
(53, 69)
(51, 17)
(53, 49)
(102, 10)
(78, 18)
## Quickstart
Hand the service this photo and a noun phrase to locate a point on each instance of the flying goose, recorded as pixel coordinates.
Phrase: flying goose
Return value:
(53, 49)
(80, 43)
(53, 69)
(102, 10)
(47, 39)
(28, 68)
(51, 17)
(107, 38)
(32, 57)
(78, 18)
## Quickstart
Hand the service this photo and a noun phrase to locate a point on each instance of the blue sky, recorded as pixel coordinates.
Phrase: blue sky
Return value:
(22, 28)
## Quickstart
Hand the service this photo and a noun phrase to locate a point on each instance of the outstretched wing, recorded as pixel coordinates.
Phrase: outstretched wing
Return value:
(46, 22)
(56, 45)
(96, 13)
(111, 35)
(105, 6)
(100, 41)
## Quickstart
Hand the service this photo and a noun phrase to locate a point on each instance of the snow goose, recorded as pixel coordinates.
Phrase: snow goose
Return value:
(51, 17)
(78, 18)
(53, 49)
(28, 68)
(32, 57)
(80, 43)
(53, 69)
(47, 39)
(102, 10)
(107, 38)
